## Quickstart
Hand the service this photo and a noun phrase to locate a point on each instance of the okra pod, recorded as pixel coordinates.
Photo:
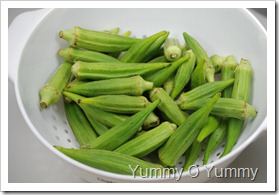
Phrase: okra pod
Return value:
(168, 85)
(217, 62)
(206, 90)
(215, 140)
(117, 53)
(134, 86)
(168, 106)
(227, 72)
(96, 40)
(160, 77)
(107, 118)
(122, 132)
(210, 126)
(52, 91)
(192, 154)
(111, 161)
(183, 74)
(159, 59)
(154, 49)
(201, 54)
(123, 104)
(99, 127)
(185, 134)
(147, 142)
(135, 53)
(241, 91)
(113, 31)
(73, 55)
(151, 121)
(83, 131)
(198, 75)
(224, 107)
(172, 49)
(103, 70)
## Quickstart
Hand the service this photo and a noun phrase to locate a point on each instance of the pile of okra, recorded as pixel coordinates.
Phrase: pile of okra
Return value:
(127, 98)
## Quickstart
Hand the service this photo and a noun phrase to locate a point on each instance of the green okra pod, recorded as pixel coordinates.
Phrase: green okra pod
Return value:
(241, 91)
(151, 121)
(102, 70)
(99, 127)
(107, 118)
(227, 73)
(183, 74)
(134, 86)
(136, 52)
(185, 134)
(147, 142)
(192, 154)
(154, 49)
(73, 55)
(158, 59)
(123, 104)
(117, 53)
(215, 140)
(111, 161)
(201, 54)
(206, 90)
(224, 107)
(198, 75)
(96, 40)
(217, 62)
(113, 31)
(168, 85)
(122, 132)
(210, 126)
(52, 91)
(161, 76)
(83, 131)
(172, 49)
(168, 106)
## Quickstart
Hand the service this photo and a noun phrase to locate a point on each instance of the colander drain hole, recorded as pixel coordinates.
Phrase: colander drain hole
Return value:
(53, 117)
(66, 131)
(69, 140)
(58, 138)
(54, 127)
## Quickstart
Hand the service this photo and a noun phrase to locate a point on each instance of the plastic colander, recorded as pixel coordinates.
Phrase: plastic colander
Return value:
(34, 42)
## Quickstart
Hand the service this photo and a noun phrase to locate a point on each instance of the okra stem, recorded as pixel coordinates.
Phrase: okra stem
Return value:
(52, 91)
(172, 49)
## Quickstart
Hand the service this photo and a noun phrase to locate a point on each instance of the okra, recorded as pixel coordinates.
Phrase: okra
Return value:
(134, 86)
(52, 91)
(206, 90)
(159, 59)
(168, 106)
(102, 70)
(151, 121)
(122, 132)
(172, 49)
(168, 85)
(107, 118)
(135, 53)
(215, 140)
(161, 76)
(185, 134)
(123, 104)
(217, 62)
(192, 154)
(147, 142)
(201, 54)
(227, 72)
(183, 74)
(210, 126)
(83, 131)
(241, 91)
(224, 107)
(111, 161)
(113, 30)
(96, 40)
(99, 127)
(154, 49)
(117, 53)
(73, 55)
(198, 75)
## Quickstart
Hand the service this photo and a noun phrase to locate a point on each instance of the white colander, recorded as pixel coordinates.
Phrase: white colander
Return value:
(34, 42)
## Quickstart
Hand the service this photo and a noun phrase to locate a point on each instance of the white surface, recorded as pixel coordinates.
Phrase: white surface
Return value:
(35, 163)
